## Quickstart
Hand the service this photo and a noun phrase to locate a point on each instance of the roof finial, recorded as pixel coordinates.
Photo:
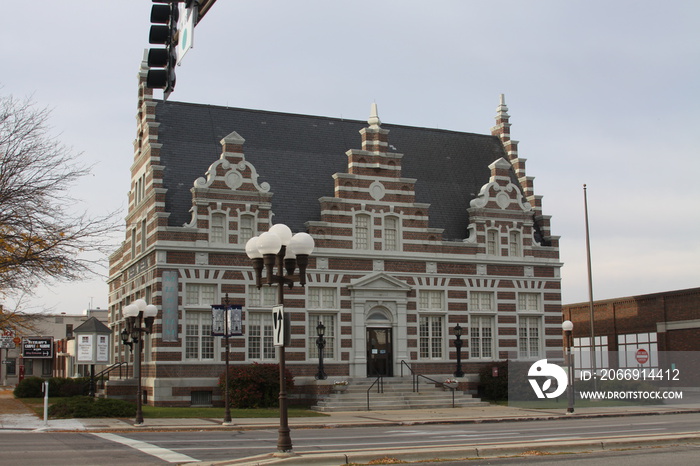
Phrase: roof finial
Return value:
(502, 110)
(374, 120)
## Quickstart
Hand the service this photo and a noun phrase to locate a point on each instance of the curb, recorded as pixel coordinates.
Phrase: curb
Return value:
(460, 452)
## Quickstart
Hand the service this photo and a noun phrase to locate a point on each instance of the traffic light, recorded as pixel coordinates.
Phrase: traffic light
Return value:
(162, 61)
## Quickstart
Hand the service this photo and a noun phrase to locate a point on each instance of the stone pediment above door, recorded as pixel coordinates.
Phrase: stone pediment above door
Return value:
(378, 281)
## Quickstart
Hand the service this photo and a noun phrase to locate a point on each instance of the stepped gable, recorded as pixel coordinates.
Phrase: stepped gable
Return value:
(299, 154)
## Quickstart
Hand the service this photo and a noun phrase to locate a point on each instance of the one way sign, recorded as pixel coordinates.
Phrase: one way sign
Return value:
(280, 326)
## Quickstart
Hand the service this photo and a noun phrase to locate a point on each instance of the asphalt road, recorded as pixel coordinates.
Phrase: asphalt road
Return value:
(141, 448)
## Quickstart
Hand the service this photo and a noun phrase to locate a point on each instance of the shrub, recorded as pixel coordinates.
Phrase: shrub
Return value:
(85, 406)
(254, 385)
(30, 387)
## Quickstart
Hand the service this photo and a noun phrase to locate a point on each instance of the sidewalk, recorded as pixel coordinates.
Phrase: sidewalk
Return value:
(15, 416)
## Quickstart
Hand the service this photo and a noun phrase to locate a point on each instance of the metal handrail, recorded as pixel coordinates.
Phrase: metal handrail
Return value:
(380, 388)
(416, 377)
(116, 365)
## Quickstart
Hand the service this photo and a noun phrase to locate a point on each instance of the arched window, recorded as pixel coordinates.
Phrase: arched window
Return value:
(362, 231)
(514, 244)
(246, 228)
(391, 234)
(217, 228)
(492, 240)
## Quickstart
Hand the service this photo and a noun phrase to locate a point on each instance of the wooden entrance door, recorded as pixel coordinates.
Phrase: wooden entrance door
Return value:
(379, 358)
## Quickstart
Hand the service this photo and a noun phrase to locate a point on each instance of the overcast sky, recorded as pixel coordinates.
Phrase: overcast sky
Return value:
(599, 92)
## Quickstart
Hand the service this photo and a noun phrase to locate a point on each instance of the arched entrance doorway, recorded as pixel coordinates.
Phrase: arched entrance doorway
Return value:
(379, 343)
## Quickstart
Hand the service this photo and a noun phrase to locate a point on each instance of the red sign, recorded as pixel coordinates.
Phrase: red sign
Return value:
(642, 356)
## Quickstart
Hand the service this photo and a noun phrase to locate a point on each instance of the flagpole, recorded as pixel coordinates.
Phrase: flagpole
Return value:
(590, 288)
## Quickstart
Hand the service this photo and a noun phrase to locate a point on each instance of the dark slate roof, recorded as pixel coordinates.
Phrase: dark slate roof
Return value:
(298, 155)
(92, 325)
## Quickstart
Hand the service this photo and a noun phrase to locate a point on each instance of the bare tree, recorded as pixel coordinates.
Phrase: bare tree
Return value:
(42, 238)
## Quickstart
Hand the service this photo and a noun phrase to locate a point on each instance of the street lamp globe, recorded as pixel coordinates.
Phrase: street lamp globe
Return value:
(130, 311)
(269, 243)
(283, 232)
(251, 248)
(302, 244)
(567, 326)
(150, 311)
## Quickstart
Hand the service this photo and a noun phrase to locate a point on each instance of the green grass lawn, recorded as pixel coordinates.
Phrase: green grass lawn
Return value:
(168, 412)
(37, 405)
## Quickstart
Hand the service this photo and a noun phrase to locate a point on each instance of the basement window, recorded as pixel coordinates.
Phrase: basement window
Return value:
(200, 398)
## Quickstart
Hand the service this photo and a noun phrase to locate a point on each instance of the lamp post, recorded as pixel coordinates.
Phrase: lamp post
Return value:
(277, 248)
(567, 326)
(458, 346)
(125, 341)
(139, 320)
(320, 344)
(227, 403)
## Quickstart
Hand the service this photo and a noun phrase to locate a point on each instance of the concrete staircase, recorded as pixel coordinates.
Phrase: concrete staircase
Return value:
(398, 394)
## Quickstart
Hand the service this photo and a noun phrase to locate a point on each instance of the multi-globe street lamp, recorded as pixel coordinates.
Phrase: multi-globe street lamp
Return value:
(139, 318)
(278, 249)
(568, 327)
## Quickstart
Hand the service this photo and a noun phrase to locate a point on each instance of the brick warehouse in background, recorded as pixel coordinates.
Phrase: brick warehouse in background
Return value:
(656, 323)
(416, 231)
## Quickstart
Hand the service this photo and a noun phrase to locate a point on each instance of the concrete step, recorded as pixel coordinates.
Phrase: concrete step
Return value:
(398, 394)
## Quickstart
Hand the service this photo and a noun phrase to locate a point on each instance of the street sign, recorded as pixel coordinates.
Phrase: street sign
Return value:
(7, 343)
(185, 29)
(278, 325)
(642, 356)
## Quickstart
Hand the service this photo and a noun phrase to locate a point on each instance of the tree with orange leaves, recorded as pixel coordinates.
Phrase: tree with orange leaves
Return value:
(42, 240)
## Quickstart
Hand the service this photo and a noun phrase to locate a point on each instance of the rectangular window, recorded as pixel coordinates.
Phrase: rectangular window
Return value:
(583, 352)
(143, 236)
(431, 340)
(362, 232)
(481, 337)
(529, 337)
(46, 367)
(199, 343)
(432, 300)
(529, 302)
(260, 337)
(329, 336)
(200, 294)
(262, 297)
(11, 366)
(481, 301)
(322, 298)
